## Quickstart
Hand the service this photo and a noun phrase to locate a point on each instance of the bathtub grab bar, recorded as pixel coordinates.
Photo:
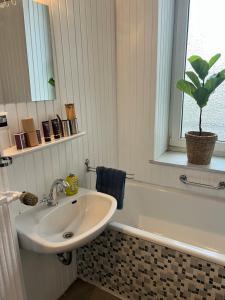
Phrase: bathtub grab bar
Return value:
(92, 169)
(220, 186)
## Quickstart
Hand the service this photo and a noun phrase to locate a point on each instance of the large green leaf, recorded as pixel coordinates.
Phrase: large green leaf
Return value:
(211, 83)
(52, 81)
(194, 78)
(186, 87)
(214, 59)
(220, 77)
(194, 57)
(214, 81)
(201, 95)
(200, 66)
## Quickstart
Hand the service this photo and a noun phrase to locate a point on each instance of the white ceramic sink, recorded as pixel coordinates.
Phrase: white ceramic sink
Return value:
(85, 216)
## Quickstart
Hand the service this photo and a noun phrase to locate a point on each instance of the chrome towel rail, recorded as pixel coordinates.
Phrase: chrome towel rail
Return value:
(220, 186)
(92, 169)
(5, 161)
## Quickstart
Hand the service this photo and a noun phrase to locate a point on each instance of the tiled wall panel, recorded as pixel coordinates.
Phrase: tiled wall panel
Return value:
(132, 268)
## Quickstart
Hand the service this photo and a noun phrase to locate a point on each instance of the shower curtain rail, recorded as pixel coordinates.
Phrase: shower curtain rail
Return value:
(92, 169)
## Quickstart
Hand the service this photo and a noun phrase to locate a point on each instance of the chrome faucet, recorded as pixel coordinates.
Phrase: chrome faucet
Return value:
(59, 185)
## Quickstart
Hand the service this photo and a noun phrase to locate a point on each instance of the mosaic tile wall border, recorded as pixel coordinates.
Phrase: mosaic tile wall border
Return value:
(140, 270)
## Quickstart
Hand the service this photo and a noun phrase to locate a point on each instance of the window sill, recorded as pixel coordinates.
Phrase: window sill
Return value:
(179, 159)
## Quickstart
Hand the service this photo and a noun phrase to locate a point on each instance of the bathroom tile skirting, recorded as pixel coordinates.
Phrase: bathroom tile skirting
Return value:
(132, 268)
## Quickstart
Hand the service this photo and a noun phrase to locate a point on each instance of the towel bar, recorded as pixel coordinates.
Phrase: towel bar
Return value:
(220, 186)
(92, 169)
(5, 161)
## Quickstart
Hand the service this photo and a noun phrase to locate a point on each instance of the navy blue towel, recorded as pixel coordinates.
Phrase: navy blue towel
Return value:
(111, 182)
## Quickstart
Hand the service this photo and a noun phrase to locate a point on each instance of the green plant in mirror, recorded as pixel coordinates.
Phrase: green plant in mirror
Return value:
(52, 81)
(201, 86)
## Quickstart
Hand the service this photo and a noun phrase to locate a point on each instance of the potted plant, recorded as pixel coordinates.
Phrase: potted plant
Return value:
(200, 144)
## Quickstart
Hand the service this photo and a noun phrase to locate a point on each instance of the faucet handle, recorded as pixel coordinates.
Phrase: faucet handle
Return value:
(61, 186)
(64, 184)
(45, 199)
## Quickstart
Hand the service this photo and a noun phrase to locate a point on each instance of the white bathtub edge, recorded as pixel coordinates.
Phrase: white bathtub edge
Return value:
(207, 255)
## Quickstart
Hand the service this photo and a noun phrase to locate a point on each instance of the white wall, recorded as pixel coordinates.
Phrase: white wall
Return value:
(45, 277)
(136, 74)
(139, 25)
(165, 26)
(84, 37)
(11, 282)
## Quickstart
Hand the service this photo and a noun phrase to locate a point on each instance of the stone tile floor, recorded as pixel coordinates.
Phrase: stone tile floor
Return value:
(81, 290)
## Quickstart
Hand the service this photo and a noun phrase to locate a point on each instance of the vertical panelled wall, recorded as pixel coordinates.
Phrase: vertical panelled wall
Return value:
(4, 184)
(144, 46)
(163, 82)
(11, 284)
(136, 73)
(144, 53)
(84, 40)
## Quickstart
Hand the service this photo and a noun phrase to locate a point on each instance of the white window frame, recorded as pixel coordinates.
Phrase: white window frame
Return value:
(176, 142)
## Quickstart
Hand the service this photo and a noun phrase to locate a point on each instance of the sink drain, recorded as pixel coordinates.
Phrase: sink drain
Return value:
(67, 235)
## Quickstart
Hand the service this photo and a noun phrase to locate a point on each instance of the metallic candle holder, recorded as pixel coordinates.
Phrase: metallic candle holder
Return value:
(66, 128)
(73, 126)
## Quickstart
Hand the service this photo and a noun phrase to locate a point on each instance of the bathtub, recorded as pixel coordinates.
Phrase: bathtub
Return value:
(179, 220)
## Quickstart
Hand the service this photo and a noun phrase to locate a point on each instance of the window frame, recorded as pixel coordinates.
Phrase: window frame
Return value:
(176, 142)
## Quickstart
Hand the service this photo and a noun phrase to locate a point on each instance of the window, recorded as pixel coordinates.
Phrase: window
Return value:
(198, 30)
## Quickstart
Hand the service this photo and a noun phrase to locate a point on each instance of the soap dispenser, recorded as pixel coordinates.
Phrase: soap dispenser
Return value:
(73, 185)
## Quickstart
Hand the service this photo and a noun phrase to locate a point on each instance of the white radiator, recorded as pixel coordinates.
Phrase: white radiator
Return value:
(11, 280)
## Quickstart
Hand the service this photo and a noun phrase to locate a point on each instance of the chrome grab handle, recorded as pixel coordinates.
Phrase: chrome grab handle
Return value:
(220, 186)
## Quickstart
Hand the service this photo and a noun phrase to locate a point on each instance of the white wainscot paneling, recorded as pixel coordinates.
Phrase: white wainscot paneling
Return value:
(144, 54)
(85, 65)
(11, 280)
(45, 277)
(136, 73)
(84, 45)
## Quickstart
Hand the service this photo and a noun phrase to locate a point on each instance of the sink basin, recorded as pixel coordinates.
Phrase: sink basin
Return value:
(74, 222)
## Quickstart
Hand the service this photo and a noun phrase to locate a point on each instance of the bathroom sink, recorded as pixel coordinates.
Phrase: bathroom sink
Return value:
(75, 221)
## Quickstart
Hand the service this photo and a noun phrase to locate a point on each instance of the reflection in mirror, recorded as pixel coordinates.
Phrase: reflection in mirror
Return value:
(26, 56)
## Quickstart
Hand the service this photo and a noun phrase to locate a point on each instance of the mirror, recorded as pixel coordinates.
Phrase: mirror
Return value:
(26, 56)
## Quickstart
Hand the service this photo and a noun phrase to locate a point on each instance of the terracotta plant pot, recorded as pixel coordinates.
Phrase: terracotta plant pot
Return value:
(200, 147)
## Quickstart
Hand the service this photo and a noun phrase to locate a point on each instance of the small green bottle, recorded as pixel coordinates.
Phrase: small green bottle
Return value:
(73, 185)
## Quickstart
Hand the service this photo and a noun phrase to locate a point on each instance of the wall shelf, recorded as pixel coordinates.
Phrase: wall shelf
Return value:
(13, 152)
